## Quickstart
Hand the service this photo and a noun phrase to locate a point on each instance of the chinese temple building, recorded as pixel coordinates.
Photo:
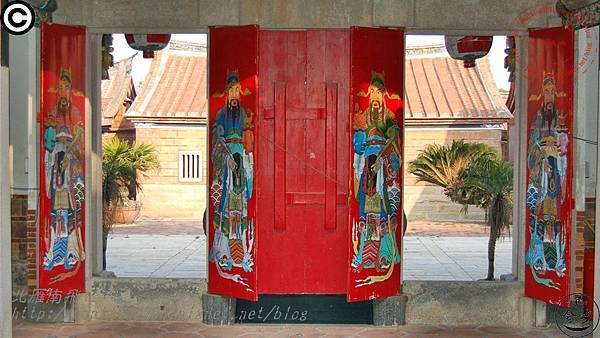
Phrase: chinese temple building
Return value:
(305, 114)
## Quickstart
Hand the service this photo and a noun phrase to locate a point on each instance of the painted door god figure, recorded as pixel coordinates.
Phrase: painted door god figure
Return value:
(232, 184)
(377, 164)
(547, 163)
(63, 156)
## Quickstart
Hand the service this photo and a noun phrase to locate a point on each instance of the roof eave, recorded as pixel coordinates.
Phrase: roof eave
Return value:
(454, 121)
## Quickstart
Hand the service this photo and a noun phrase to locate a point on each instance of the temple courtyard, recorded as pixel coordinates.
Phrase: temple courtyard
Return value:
(177, 249)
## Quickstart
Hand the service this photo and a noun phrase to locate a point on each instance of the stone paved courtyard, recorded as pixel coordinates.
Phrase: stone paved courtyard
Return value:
(196, 330)
(175, 250)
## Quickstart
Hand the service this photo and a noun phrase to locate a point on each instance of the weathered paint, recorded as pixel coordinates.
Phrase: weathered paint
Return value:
(231, 217)
(62, 165)
(376, 186)
(302, 173)
(549, 206)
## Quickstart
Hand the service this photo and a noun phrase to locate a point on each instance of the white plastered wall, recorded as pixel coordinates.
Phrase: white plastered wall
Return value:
(5, 259)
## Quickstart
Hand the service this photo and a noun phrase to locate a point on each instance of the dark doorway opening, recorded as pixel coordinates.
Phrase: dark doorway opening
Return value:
(303, 309)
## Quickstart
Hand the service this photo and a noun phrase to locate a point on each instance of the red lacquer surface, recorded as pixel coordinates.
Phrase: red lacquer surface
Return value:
(375, 164)
(549, 206)
(233, 153)
(302, 171)
(62, 162)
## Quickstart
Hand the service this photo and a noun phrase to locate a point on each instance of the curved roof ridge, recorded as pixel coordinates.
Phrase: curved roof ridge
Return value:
(116, 89)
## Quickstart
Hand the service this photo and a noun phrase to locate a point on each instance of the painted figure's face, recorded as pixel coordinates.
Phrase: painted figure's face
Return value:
(375, 98)
(563, 141)
(64, 96)
(549, 94)
(549, 107)
(233, 95)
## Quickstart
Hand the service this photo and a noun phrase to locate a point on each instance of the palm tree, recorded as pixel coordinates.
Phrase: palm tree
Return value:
(489, 183)
(471, 174)
(123, 164)
(445, 166)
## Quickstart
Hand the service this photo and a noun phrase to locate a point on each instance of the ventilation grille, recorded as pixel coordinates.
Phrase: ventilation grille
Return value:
(190, 166)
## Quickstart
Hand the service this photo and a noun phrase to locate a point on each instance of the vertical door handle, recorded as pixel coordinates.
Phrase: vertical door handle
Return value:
(331, 92)
(279, 150)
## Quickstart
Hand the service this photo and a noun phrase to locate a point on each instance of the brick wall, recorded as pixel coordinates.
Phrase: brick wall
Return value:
(579, 250)
(23, 241)
(584, 241)
(163, 195)
(424, 201)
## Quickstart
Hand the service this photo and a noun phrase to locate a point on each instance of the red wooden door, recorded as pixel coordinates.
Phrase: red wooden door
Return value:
(62, 166)
(550, 204)
(232, 134)
(375, 240)
(302, 171)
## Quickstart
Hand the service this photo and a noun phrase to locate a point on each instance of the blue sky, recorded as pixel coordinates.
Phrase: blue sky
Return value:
(141, 65)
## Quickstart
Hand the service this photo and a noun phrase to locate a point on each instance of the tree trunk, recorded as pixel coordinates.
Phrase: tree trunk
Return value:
(491, 254)
(104, 246)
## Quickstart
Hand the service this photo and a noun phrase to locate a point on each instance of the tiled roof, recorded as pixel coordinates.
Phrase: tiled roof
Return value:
(175, 88)
(117, 91)
(439, 89)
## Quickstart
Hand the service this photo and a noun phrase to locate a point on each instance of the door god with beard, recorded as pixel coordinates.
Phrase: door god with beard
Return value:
(231, 187)
(376, 168)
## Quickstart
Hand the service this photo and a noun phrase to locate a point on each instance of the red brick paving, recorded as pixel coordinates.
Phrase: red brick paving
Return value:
(121, 329)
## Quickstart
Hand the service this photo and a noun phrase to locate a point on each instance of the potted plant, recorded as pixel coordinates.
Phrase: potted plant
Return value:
(123, 164)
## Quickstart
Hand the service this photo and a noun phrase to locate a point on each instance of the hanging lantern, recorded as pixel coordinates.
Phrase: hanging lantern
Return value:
(148, 43)
(468, 48)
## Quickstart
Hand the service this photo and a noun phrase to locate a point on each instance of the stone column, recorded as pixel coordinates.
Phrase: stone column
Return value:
(520, 172)
(597, 257)
(93, 176)
(5, 245)
(597, 244)
(94, 154)
(24, 105)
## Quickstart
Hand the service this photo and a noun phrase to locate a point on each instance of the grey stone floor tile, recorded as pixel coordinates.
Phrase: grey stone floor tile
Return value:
(425, 258)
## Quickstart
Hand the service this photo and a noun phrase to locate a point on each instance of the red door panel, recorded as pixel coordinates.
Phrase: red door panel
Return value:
(303, 186)
(328, 140)
(375, 229)
(280, 172)
(232, 134)
(62, 165)
(550, 71)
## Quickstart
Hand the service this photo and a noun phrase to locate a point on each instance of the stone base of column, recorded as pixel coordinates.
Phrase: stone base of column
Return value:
(390, 311)
(49, 312)
(218, 310)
